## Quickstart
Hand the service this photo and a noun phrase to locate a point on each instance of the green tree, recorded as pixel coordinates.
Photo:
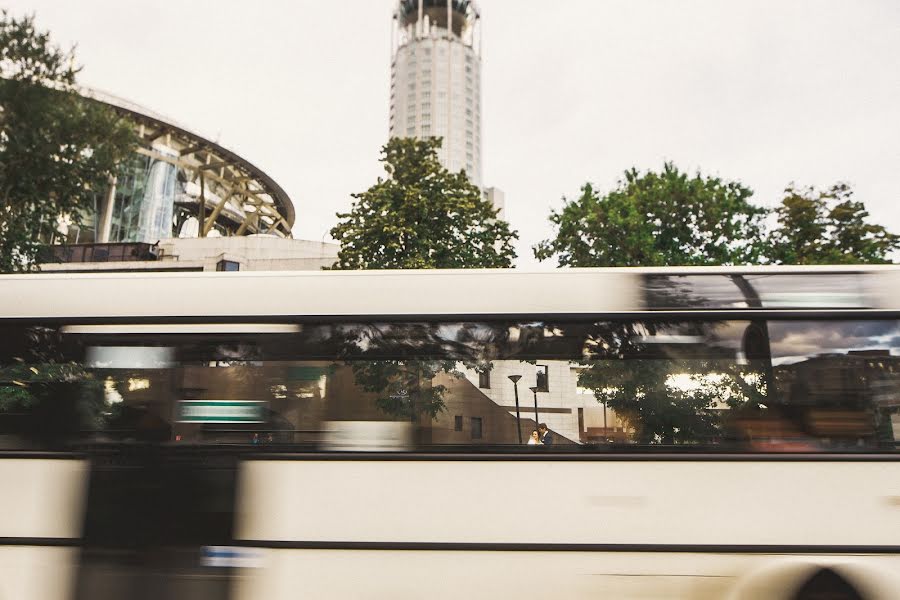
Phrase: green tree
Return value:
(57, 148)
(421, 217)
(657, 219)
(827, 227)
(674, 394)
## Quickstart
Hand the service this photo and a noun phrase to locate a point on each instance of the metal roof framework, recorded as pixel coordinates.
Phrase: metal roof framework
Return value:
(233, 193)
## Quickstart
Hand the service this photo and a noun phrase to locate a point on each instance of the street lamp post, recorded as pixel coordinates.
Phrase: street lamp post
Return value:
(537, 420)
(515, 379)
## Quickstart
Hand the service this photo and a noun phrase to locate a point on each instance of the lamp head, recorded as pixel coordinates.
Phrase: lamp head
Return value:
(534, 389)
(515, 378)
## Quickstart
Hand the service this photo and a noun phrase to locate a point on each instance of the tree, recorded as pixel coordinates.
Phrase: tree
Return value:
(421, 217)
(827, 227)
(676, 394)
(657, 219)
(57, 148)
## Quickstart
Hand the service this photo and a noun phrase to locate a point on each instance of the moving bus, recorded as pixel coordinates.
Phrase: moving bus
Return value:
(707, 433)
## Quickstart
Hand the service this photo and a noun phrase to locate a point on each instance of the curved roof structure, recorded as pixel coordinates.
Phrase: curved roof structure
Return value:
(224, 190)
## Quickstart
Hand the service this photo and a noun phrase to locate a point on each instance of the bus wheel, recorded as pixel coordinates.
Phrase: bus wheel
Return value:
(825, 584)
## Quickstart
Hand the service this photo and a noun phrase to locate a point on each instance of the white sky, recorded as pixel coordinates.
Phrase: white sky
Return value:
(766, 92)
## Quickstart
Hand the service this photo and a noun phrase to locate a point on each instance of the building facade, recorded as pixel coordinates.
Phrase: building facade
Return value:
(436, 79)
(182, 202)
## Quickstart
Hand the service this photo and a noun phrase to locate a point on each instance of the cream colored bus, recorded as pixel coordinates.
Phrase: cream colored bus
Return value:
(710, 433)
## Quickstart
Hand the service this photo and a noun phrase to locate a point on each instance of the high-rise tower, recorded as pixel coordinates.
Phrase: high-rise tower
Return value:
(436, 78)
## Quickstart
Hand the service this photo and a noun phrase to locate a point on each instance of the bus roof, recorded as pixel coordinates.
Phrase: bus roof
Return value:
(483, 292)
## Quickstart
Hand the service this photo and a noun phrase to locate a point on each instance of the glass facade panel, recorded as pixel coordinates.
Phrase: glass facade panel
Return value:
(144, 209)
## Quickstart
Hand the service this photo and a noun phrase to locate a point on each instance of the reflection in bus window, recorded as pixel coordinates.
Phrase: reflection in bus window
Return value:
(748, 385)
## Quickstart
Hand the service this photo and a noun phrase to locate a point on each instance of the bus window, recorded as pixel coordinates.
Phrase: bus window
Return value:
(680, 384)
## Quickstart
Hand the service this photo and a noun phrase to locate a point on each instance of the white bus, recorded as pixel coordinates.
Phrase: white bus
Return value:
(710, 433)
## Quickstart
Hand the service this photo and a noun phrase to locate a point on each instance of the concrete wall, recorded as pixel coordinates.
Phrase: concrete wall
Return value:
(253, 253)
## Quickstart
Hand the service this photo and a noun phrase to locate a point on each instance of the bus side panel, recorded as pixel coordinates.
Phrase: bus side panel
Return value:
(440, 575)
(37, 572)
(780, 503)
(41, 512)
(372, 529)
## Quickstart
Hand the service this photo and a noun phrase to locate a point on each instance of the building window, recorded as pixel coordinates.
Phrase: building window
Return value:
(476, 428)
(484, 380)
(457, 423)
(228, 265)
(543, 378)
(426, 130)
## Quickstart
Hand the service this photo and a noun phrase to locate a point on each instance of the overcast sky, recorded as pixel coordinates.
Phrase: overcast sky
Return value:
(766, 92)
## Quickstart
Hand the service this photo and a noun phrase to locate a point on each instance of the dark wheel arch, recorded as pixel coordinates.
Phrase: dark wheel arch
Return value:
(826, 584)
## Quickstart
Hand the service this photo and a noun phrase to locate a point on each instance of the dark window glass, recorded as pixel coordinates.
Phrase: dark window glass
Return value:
(789, 290)
(476, 428)
(228, 265)
(484, 380)
(746, 385)
(543, 378)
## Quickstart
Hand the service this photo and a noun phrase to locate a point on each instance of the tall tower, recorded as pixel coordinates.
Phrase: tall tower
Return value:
(436, 78)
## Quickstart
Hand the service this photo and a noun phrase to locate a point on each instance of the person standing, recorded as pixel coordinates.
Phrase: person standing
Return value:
(535, 439)
(545, 436)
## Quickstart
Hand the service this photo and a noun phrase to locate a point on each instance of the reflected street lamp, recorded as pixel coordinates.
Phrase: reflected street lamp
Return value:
(534, 390)
(515, 379)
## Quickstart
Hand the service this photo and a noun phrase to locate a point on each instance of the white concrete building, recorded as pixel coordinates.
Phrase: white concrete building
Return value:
(232, 253)
(571, 411)
(436, 79)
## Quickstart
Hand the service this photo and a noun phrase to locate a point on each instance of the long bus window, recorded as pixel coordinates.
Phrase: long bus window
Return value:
(733, 385)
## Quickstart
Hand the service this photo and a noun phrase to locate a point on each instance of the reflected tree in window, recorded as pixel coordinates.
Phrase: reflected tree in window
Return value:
(399, 362)
(671, 383)
(43, 395)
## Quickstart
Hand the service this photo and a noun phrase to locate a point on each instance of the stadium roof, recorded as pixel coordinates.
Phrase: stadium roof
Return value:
(232, 189)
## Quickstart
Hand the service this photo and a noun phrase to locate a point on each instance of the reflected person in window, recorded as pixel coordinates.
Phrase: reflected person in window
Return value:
(535, 439)
(545, 435)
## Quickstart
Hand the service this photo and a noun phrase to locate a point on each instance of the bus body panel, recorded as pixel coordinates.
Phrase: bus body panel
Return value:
(437, 575)
(42, 498)
(37, 572)
(642, 502)
(41, 516)
(472, 526)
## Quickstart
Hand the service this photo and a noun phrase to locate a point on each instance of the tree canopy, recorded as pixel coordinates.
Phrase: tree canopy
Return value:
(827, 227)
(672, 219)
(657, 219)
(669, 219)
(421, 216)
(57, 149)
